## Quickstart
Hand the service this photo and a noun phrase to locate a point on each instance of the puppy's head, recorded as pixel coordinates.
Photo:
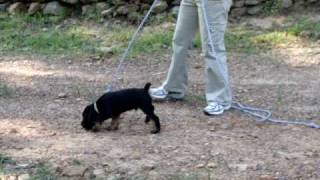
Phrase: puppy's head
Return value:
(89, 118)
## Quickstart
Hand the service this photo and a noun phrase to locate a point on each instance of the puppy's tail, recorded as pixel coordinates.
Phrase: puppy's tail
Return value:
(147, 86)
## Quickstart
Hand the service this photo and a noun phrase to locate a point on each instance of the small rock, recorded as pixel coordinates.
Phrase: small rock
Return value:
(101, 6)
(238, 4)
(305, 34)
(226, 126)
(13, 177)
(74, 171)
(211, 165)
(34, 8)
(239, 167)
(198, 66)
(24, 166)
(286, 4)
(160, 7)
(99, 173)
(266, 177)
(17, 7)
(200, 166)
(3, 7)
(62, 95)
(258, 167)
(106, 50)
(107, 13)
(87, 9)
(122, 10)
(203, 157)
(24, 177)
(238, 12)
(55, 8)
(149, 166)
(252, 2)
(13, 131)
(254, 10)
(212, 129)
(71, 1)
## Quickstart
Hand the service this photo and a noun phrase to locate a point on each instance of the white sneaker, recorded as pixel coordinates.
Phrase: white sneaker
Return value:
(161, 94)
(215, 108)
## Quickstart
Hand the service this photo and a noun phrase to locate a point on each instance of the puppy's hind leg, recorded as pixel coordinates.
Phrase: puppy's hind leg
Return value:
(149, 111)
(114, 124)
(147, 120)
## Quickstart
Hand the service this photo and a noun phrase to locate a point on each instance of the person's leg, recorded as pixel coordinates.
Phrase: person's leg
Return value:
(217, 85)
(186, 27)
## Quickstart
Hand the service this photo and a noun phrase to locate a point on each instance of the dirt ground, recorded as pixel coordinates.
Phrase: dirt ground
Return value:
(40, 120)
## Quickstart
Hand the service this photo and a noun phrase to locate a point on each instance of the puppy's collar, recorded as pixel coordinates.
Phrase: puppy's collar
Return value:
(96, 108)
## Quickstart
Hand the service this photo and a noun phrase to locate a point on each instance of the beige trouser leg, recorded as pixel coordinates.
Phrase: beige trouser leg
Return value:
(189, 19)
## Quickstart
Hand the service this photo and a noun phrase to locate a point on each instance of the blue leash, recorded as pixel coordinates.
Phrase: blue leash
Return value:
(266, 116)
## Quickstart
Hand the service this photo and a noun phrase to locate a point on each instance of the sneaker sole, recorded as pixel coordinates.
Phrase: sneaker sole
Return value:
(213, 114)
(217, 113)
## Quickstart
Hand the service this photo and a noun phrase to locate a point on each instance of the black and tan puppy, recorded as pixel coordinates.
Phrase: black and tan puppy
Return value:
(112, 104)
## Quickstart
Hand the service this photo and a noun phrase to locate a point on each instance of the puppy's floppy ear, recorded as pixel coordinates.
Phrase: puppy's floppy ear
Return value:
(86, 111)
(88, 116)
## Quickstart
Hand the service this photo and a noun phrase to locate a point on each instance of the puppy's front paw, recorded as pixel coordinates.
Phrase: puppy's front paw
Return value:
(111, 128)
(155, 131)
(95, 130)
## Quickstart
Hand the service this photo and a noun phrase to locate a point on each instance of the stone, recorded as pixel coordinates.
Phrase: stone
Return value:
(238, 4)
(101, 6)
(74, 171)
(24, 177)
(238, 12)
(99, 173)
(266, 177)
(144, 7)
(226, 126)
(13, 131)
(107, 13)
(3, 7)
(39, 1)
(122, 10)
(254, 10)
(134, 17)
(200, 166)
(87, 9)
(264, 23)
(17, 8)
(12, 177)
(70, 1)
(34, 8)
(55, 8)
(211, 165)
(239, 167)
(62, 95)
(286, 4)
(88, 1)
(176, 2)
(149, 167)
(252, 2)
(160, 7)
